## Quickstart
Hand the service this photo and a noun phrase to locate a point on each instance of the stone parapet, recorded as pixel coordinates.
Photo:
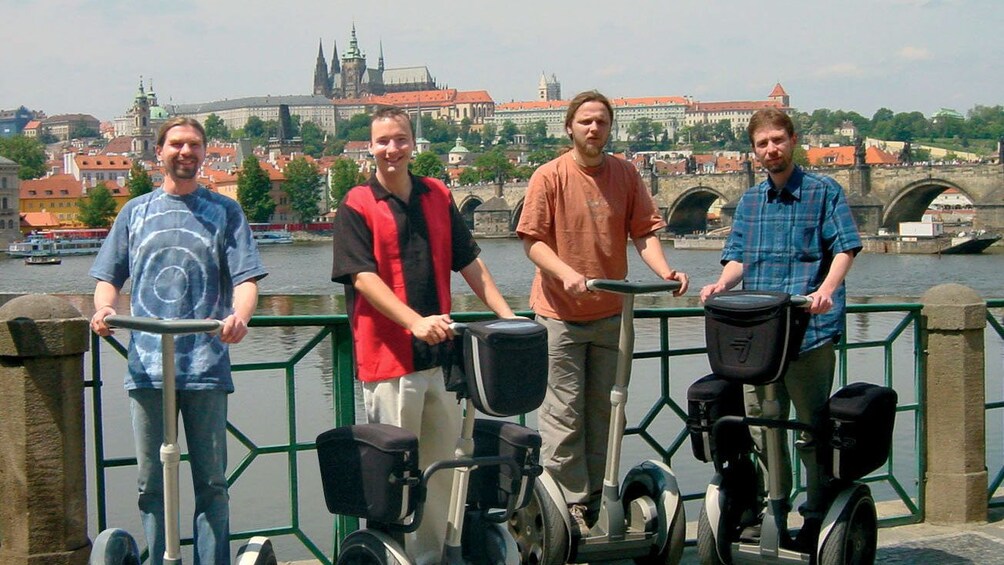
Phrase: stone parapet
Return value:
(43, 514)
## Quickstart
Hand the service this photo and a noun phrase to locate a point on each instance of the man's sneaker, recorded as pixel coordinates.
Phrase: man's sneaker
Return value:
(577, 513)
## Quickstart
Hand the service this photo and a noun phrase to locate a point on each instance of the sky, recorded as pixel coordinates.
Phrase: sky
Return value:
(87, 56)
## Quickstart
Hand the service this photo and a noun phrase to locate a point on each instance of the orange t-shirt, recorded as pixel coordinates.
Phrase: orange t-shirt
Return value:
(585, 214)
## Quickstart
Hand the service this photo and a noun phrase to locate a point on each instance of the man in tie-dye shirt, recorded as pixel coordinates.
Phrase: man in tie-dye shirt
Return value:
(190, 255)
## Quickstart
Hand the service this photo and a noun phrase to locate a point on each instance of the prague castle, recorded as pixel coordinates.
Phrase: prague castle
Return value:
(350, 77)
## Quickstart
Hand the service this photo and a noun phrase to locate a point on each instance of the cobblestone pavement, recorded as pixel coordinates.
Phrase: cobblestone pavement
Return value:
(926, 544)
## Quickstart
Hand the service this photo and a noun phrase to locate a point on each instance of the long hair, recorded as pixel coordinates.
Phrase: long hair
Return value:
(179, 121)
(580, 99)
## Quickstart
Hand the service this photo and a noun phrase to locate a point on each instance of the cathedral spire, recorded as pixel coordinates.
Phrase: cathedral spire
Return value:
(322, 85)
(335, 66)
(380, 62)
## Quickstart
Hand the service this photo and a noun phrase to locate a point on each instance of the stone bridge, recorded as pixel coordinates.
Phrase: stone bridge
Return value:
(880, 196)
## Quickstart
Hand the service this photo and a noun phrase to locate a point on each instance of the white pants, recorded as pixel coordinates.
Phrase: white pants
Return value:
(419, 402)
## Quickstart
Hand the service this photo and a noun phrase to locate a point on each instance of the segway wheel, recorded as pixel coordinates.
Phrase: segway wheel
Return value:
(707, 548)
(651, 479)
(257, 551)
(854, 536)
(364, 547)
(114, 547)
(539, 530)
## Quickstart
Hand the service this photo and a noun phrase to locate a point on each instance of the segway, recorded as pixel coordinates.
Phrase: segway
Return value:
(752, 336)
(115, 546)
(643, 519)
(371, 471)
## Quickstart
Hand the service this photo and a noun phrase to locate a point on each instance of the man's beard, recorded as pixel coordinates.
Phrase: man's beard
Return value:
(184, 171)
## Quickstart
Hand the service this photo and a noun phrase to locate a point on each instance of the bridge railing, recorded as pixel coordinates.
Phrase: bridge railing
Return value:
(295, 380)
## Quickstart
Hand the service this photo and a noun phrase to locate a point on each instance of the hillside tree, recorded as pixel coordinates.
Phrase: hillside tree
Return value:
(216, 129)
(26, 152)
(344, 175)
(139, 182)
(97, 209)
(302, 186)
(428, 164)
(253, 188)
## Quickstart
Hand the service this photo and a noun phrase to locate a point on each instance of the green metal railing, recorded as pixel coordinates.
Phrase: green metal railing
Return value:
(331, 333)
(996, 327)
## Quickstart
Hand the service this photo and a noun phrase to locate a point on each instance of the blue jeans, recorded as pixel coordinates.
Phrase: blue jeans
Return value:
(204, 414)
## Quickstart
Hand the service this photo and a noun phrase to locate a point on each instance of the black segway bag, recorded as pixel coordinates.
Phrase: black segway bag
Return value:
(861, 422)
(752, 335)
(495, 486)
(505, 365)
(708, 399)
(370, 471)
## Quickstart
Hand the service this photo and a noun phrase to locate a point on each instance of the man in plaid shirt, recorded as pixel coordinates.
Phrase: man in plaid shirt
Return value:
(794, 233)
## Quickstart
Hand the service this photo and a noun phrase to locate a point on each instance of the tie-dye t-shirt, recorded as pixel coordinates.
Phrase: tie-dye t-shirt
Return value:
(184, 255)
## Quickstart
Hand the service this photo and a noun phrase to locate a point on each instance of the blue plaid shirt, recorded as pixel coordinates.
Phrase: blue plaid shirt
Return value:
(786, 239)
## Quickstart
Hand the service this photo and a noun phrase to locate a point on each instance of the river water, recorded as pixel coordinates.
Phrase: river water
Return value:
(298, 284)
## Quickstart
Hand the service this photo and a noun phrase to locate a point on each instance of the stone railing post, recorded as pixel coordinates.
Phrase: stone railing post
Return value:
(43, 500)
(956, 482)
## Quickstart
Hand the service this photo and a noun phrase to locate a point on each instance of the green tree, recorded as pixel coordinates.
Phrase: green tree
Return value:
(253, 191)
(302, 186)
(428, 164)
(46, 137)
(538, 157)
(469, 175)
(642, 133)
(26, 152)
(488, 134)
(139, 182)
(356, 129)
(81, 130)
(97, 209)
(507, 132)
(254, 128)
(216, 129)
(313, 139)
(536, 133)
(344, 175)
(800, 156)
(494, 166)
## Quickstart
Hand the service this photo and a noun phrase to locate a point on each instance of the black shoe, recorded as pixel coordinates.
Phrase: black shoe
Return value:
(808, 536)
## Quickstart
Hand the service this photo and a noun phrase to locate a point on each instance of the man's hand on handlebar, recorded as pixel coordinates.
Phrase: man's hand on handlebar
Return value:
(433, 329)
(682, 278)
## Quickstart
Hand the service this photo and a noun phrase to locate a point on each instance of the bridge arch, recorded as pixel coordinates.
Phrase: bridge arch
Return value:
(910, 202)
(689, 212)
(517, 211)
(467, 207)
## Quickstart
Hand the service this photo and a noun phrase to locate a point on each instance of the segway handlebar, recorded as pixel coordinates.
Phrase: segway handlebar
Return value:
(632, 287)
(158, 326)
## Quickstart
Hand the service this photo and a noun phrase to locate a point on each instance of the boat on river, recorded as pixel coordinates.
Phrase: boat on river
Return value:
(943, 244)
(272, 237)
(61, 242)
(42, 259)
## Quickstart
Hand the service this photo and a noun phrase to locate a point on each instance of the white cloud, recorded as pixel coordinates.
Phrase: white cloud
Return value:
(911, 53)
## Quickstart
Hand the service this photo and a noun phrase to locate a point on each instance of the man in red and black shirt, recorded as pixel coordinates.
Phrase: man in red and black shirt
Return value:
(396, 240)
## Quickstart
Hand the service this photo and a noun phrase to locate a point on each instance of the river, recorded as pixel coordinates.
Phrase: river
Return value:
(298, 284)
(304, 269)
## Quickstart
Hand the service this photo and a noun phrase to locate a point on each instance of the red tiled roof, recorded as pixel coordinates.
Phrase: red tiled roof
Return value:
(732, 106)
(102, 162)
(472, 96)
(844, 156)
(118, 145)
(778, 91)
(39, 220)
(55, 184)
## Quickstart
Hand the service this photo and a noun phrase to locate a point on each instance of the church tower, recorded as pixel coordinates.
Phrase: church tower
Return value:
(548, 89)
(780, 96)
(322, 82)
(353, 69)
(142, 133)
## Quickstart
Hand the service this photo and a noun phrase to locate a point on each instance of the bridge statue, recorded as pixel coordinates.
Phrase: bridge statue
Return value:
(859, 151)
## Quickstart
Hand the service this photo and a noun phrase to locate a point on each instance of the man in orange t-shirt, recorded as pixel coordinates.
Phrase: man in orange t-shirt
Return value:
(578, 213)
